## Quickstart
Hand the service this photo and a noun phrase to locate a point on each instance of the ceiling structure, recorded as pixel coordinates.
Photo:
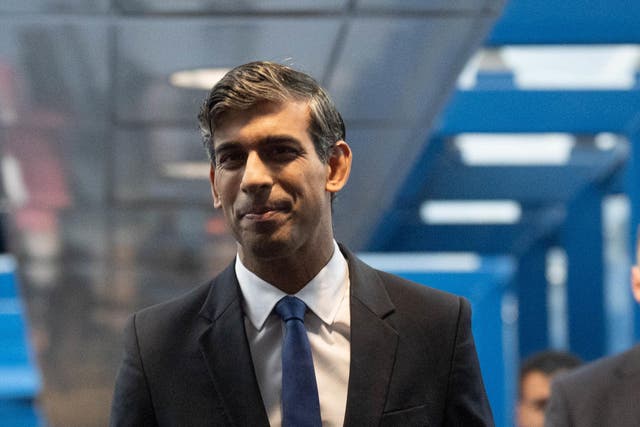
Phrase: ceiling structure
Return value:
(586, 60)
(95, 76)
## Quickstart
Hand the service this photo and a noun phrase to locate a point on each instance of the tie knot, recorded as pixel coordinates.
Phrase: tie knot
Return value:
(291, 308)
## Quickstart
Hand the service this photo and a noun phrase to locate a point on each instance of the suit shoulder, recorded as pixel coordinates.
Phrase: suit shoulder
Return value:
(185, 305)
(418, 301)
(591, 394)
(397, 287)
(401, 288)
(599, 372)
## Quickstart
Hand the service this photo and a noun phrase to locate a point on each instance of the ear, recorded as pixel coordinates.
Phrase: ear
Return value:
(338, 167)
(217, 203)
(635, 282)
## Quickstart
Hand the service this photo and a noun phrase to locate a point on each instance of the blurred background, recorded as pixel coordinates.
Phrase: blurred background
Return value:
(496, 147)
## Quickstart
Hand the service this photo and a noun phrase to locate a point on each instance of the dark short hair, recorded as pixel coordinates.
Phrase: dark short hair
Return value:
(548, 362)
(247, 85)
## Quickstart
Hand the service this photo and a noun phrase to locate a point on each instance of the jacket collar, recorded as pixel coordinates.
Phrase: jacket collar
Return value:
(373, 348)
(373, 344)
(224, 346)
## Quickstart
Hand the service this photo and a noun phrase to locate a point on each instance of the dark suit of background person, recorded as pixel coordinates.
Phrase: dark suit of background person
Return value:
(188, 362)
(603, 393)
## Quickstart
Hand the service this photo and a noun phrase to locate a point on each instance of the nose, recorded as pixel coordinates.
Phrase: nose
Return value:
(257, 175)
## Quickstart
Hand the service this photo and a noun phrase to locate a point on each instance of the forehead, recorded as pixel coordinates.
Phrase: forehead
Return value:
(263, 120)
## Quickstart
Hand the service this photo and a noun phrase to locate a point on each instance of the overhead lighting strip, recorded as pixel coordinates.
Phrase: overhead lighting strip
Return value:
(588, 67)
(451, 212)
(515, 149)
(200, 78)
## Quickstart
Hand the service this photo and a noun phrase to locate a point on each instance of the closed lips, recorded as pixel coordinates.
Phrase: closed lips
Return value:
(259, 210)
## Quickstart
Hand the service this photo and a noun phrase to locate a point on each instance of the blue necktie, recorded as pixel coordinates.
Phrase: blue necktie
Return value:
(300, 403)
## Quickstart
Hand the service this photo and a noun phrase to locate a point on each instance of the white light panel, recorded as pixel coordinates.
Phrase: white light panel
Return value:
(515, 149)
(470, 212)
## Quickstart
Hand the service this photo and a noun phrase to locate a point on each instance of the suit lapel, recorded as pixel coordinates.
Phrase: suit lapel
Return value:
(373, 345)
(227, 354)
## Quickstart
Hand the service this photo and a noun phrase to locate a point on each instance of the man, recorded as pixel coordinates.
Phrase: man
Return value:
(374, 349)
(534, 388)
(603, 393)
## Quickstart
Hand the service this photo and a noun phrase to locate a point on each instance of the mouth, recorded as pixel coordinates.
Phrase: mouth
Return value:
(266, 212)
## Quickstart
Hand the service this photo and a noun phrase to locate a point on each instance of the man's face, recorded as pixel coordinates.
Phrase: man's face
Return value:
(535, 391)
(270, 182)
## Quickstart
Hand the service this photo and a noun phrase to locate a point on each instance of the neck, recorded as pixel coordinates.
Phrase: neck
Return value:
(289, 273)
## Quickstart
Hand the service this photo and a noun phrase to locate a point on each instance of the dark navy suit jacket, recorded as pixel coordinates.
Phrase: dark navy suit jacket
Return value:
(413, 360)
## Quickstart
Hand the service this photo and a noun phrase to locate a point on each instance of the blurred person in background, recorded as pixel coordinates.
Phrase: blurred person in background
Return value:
(534, 384)
(297, 331)
(604, 393)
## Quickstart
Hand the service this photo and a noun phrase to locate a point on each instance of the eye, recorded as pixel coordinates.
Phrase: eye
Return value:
(230, 159)
(282, 152)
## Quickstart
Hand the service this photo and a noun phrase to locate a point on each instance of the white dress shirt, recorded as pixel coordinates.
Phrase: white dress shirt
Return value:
(328, 324)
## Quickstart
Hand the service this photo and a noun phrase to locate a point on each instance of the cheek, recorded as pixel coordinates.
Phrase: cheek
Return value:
(317, 179)
(225, 187)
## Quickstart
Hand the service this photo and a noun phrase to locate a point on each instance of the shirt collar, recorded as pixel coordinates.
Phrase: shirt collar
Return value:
(322, 294)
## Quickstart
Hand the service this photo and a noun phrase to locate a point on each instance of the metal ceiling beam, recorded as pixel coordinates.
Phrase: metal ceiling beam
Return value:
(512, 110)
(567, 22)
(403, 230)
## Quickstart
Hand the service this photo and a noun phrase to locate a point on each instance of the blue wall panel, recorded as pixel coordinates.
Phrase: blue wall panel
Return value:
(20, 380)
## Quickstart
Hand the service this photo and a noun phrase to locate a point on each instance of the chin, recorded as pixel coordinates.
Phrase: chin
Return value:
(267, 248)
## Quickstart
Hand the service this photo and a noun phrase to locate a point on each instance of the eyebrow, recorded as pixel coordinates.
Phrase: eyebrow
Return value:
(276, 139)
(224, 146)
(271, 139)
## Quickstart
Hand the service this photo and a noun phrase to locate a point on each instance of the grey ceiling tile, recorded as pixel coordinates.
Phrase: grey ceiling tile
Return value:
(54, 6)
(443, 6)
(149, 52)
(392, 70)
(208, 6)
(53, 74)
(156, 165)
